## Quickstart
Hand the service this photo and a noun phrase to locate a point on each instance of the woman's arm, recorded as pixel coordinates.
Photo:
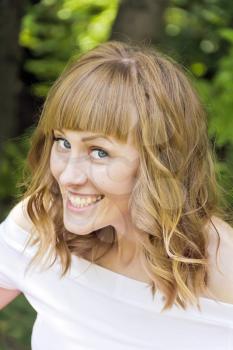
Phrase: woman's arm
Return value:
(18, 215)
(7, 296)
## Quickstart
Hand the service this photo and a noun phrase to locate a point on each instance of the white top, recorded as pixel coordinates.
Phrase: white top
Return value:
(93, 308)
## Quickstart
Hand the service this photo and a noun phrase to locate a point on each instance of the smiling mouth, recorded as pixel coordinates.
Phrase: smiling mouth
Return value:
(82, 206)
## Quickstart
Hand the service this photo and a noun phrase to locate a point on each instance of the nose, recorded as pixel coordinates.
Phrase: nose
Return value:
(74, 172)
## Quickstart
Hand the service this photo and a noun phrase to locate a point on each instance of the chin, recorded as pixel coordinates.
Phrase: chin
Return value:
(75, 226)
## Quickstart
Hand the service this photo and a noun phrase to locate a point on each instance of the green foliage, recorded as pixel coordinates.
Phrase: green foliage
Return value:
(55, 30)
(193, 33)
(13, 159)
(18, 331)
(221, 93)
(217, 96)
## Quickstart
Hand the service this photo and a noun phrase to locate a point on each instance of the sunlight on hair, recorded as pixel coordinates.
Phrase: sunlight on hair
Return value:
(121, 90)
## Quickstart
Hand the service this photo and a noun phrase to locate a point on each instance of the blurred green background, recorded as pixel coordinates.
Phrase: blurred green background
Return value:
(39, 37)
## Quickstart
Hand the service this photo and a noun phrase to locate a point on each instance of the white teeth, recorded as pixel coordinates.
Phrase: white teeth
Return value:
(80, 202)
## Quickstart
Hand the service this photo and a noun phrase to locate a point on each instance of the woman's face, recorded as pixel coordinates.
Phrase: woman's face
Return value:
(85, 165)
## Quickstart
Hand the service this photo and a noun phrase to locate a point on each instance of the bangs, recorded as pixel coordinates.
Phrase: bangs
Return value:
(96, 99)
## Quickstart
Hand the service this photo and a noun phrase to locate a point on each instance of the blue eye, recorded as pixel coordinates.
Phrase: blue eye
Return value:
(100, 150)
(68, 146)
(57, 139)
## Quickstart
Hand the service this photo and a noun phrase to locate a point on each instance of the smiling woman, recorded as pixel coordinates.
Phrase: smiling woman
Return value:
(122, 175)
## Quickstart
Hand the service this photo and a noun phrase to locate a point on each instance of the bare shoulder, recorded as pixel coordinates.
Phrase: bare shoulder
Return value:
(220, 263)
(20, 216)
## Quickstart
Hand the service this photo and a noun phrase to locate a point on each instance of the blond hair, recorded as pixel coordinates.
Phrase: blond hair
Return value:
(176, 191)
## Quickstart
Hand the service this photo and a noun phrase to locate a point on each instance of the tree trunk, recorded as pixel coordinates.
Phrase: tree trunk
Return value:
(10, 15)
(140, 21)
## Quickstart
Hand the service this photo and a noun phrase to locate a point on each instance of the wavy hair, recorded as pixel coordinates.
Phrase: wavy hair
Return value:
(176, 192)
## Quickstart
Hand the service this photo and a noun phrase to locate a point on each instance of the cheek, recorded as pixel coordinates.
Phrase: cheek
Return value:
(121, 171)
(56, 165)
(116, 178)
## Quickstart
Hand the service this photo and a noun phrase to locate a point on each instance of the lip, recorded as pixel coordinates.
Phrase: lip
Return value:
(74, 209)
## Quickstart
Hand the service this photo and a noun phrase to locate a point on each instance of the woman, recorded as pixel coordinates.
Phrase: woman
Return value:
(122, 176)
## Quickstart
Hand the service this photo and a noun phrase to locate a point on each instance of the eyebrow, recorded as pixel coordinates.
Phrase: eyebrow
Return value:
(89, 138)
(99, 136)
